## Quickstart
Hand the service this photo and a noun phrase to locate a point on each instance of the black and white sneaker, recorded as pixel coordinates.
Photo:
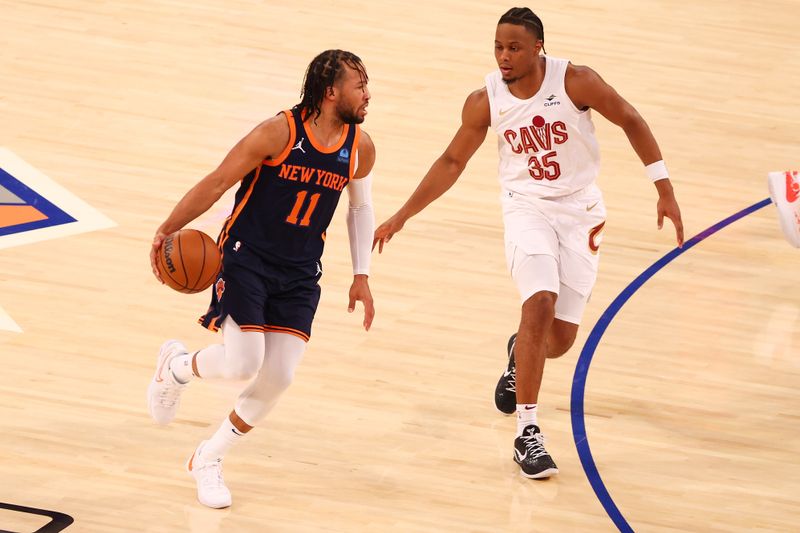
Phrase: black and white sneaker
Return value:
(530, 455)
(505, 394)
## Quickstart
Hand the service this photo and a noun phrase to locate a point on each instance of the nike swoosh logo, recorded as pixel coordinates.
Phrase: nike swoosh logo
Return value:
(590, 207)
(159, 379)
(191, 461)
(507, 373)
(520, 457)
(529, 408)
(504, 111)
(792, 188)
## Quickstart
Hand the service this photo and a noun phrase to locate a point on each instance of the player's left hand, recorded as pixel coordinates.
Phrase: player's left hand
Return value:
(158, 240)
(359, 292)
(668, 207)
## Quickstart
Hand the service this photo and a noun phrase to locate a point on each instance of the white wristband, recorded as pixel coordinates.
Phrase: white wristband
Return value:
(657, 171)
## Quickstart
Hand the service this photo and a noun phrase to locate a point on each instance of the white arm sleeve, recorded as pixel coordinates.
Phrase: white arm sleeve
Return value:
(360, 223)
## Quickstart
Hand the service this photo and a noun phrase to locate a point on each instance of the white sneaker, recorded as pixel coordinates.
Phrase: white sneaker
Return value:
(784, 189)
(211, 489)
(164, 391)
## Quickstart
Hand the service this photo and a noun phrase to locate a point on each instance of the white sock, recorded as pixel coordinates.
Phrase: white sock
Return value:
(181, 368)
(218, 445)
(526, 415)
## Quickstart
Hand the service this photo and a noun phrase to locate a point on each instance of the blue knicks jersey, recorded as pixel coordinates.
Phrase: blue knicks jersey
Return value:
(284, 206)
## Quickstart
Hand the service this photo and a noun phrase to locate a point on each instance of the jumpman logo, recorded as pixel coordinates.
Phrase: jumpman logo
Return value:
(299, 145)
(319, 269)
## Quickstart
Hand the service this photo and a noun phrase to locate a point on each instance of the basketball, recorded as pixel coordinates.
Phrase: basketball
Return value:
(189, 261)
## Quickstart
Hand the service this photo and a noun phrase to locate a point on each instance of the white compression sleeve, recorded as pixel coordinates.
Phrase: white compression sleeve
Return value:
(360, 223)
(239, 357)
(283, 354)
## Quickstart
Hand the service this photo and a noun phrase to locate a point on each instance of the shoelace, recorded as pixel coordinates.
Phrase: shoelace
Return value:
(169, 395)
(512, 380)
(171, 391)
(534, 444)
(211, 475)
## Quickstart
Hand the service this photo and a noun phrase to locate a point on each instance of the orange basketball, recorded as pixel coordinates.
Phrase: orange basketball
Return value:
(189, 261)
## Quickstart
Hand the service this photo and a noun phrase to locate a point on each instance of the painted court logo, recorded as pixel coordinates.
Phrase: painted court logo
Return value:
(34, 208)
(22, 209)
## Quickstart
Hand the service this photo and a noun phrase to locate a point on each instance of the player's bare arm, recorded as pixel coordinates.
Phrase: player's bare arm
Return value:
(587, 89)
(475, 121)
(366, 156)
(268, 139)
(359, 290)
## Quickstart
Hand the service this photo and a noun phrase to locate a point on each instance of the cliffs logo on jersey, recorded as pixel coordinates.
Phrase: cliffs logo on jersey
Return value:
(551, 101)
(540, 136)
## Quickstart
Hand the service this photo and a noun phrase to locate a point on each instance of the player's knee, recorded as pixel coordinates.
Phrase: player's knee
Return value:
(244, 366)
(281, 379)
(540, 304)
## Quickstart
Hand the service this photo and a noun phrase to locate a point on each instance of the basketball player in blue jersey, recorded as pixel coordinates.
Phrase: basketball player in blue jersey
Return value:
(553, 212)
(291, 170)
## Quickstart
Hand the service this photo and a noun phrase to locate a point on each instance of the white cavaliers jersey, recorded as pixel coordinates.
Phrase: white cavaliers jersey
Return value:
(547, 146)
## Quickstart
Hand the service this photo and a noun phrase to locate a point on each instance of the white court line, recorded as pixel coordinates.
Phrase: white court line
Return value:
(7, 323)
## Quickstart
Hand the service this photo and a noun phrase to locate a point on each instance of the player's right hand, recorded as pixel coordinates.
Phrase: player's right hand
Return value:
(158, 240)
(386, 231)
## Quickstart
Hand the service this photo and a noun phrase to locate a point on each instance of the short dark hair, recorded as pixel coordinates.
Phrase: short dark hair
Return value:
(322, 73)
(523, 16)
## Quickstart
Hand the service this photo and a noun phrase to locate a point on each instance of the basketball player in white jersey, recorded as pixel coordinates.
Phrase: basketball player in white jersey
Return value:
(553, 211)
(784, 190)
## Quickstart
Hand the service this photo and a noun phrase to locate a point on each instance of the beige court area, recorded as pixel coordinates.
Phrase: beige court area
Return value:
(692, 397)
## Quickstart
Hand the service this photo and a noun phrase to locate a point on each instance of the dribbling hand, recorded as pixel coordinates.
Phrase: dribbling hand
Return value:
(158, 240)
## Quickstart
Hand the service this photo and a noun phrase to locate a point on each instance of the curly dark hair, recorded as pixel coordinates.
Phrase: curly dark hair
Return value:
(322, 73)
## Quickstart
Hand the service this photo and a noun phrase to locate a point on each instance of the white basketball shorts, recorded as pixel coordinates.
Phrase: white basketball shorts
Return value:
(568, 229)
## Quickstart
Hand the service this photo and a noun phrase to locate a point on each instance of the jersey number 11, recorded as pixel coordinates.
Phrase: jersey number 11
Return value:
(298, 205)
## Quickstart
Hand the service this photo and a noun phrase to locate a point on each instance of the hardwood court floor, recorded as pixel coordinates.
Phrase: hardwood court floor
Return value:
(692, 397)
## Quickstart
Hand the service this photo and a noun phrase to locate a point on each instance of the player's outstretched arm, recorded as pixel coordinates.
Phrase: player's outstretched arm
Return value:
(587, 89)
(268, 139)
(444, 172)
(360, 228)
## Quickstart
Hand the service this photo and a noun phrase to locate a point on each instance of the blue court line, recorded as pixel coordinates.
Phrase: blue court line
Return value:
(585, 359)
